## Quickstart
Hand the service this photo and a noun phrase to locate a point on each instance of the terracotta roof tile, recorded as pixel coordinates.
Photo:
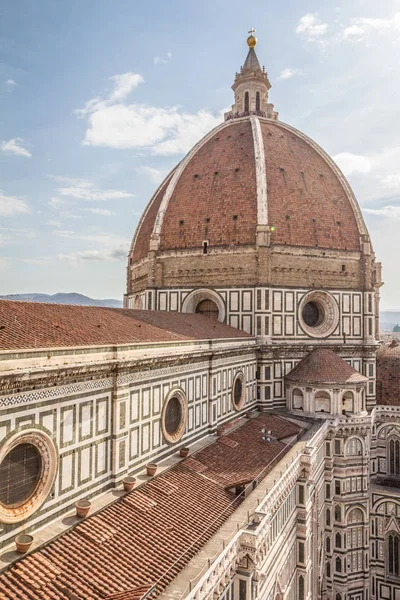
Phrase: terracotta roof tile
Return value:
(215, 197)
(324, 366)
(388, 375)
(26, 325)
(123, 550)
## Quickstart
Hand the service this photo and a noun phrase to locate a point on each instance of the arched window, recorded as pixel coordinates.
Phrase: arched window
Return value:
(348, 402)
(208, 308)
(298, 399)
(355, 516)
(338, 597)
(338, 513)
(338, 565)
(393, 567)
(353, 447)
(338, 540)
(301, 587)
(322, 402)
(394, 457)
(328, 544)
(328, 516)
(257, 100)
(246, 102)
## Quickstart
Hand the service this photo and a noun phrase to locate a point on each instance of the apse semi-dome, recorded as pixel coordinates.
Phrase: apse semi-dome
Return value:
(251, 193)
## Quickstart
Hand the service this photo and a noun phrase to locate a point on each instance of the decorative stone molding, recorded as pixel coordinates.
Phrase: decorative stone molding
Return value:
(49, 465)
(178, 393)
(192, 300)
(239, 377)
(329, 318)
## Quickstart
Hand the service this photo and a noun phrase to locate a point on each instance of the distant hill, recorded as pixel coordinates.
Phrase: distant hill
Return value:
(61, 298)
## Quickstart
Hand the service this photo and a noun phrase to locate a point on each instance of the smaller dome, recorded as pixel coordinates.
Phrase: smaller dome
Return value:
(324, 366)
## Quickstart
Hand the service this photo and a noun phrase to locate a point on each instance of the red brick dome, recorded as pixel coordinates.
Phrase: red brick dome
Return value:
(248, 173)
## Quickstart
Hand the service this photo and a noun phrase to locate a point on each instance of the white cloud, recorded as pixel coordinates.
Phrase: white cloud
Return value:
(54, 223)
(361, 27)
(10, 84)
(100, 211)
(157, 60)
(13, 146)
(393, 212)
(89, 193)
(289, 72)
(155, 175)
(113, 124)
(391, 182)
(108, 248)
(11, 205)
(352, 163)
(124, 84)
(311, 26)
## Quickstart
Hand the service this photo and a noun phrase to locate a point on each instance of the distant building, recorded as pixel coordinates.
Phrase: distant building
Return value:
(250, 336)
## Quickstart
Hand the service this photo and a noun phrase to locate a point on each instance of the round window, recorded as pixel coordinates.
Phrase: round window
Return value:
(174, 416)
(238, 391)
(28, 466)
(318, 314)
(20, 472)
(313, 314)
(208, 308)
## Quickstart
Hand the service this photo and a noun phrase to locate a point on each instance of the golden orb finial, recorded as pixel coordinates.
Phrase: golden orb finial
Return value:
(251, 40)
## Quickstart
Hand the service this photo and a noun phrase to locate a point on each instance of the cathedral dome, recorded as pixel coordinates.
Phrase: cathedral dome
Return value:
(252, 174)
(255, 202)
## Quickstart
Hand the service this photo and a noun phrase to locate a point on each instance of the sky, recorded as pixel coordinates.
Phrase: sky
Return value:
(99, 100)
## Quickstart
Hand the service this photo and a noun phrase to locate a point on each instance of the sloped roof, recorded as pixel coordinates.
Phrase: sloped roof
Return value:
(146, 537)
(324, 366)
(388, 375)
(34, 325)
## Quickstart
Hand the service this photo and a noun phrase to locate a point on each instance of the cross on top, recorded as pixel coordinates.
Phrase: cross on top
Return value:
(252, 31)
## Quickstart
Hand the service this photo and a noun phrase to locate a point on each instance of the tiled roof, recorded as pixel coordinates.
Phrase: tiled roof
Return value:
(388, 375)
(215, 196)
(35, 325)
(146, 537)
(324, 366)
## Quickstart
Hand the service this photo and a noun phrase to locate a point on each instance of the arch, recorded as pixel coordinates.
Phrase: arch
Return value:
(328, 544)
(355, 515)
(328, 516)
(208, 308)
(393, 456)
(297, 399)
(338, 565)
(338, 540)
(137, 302)
(393, 553)
(338, 512)
(348, 402)
(354, 447)
(258, 103)
(246, 102)
(195, 297)
(301, 587)
(322, 402)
